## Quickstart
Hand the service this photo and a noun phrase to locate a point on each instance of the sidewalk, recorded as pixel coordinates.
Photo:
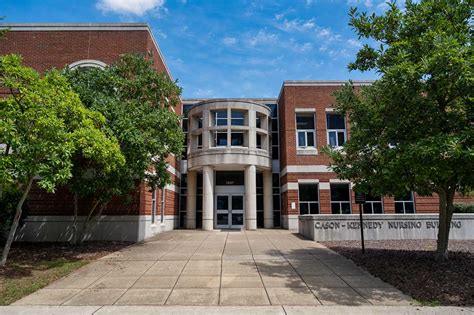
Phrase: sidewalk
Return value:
(227, 268)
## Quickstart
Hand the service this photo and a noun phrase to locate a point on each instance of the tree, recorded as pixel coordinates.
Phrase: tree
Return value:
(42, 125)
(413, 128)
(137, 102)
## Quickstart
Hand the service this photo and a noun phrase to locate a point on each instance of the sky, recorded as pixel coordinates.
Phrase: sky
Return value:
(227, 48)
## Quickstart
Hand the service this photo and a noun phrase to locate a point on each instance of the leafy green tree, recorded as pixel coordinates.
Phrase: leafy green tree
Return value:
(413, 128)
(138, 103)
(42, 125)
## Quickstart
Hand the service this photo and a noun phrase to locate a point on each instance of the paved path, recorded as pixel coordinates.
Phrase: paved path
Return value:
(192, 267)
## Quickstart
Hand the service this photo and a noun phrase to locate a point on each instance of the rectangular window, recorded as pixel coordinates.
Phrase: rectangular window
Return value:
(259, 141)
(153, 206)
(340, 199)
(405, 204)
(258, 122)
(237, 139)
(373, 205)
(308, 198)
(237, 118)
(220, 118)
(220, 139)
(199, 141)
(305, 130)
(336, 129)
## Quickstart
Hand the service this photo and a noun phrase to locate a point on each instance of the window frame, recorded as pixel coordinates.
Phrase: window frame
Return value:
(305, 131)
(341, 202)
(336, 131)
(216, 119)
(371, 203)
(215, 139)
(403, 202)
(308, 202)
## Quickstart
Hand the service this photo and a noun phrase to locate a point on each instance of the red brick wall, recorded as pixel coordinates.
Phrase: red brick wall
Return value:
(43, 50)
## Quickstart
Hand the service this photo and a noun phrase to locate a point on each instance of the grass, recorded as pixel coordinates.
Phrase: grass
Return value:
(32, 266)
(42, 273)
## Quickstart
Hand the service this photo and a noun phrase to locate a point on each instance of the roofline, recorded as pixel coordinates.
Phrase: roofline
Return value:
(75, 26)
(51, 27)
(252, 99)
(326, 82)
(322, 83)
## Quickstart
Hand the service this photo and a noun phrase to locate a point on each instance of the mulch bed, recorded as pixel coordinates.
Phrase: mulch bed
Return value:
(27, 254)
(410, 266)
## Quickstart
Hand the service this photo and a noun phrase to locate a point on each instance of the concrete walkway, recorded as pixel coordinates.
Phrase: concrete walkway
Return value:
(192, 267)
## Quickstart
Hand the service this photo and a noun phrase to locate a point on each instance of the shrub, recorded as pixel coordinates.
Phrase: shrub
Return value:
(8, 203)
(464, 208)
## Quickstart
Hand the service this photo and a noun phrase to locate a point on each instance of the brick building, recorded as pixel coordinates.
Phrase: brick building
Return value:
(248, 162)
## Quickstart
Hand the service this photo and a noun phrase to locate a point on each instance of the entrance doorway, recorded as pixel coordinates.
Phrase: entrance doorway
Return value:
(229, 207)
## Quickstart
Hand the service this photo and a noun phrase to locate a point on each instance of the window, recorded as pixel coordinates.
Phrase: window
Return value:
(373, 205)
(220, 139)
(237, 118)
(340, 199)
(199, 141)
(153, 206)
(220, 118)
(336, 129)
(405, 204)
(259, 141)
(308, 198)
(237, 139)
(258, 122)
(182, 201)
(305, 130)
(276, 199)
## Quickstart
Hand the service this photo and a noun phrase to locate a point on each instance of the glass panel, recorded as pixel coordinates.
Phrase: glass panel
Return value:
(198, 203)
(332, 139)
(409, 207)
(237, 139)
(314, 208)
(276, 219)
(274, 109)
(237, 118)
(185, 125)
(182, 205)
(237, 202)
(346, 208)
(222, 203)
(340, 192)
(340, 138)
(335, 121)
(301, 138)
(399, 207)
(310, 138)
(200, 122)
(230, 178)
(304, 208)
(199, 144)
(275, 152)
(259, 202)
(274, 125)
(377, 207)
(221, 139)
(186, 109)
(237, 219)
(367, 208)
(276, 202)
(220, 118)
(305, 121)
(276, 180)
(407, 197)
(275, 138)
(258, 122)
(308, 192)
(335, 209)
(259, 141)
(222, 219)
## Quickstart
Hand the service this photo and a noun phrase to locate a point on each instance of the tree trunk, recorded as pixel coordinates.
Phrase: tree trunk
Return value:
(446, 208)
(15, 223)
(74, 224)
(86, 223)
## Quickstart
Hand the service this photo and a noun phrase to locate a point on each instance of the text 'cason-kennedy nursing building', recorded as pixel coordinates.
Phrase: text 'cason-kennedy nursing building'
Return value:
(248, 163)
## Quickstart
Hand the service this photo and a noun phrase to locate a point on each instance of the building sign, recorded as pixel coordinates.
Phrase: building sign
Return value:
(380, 227)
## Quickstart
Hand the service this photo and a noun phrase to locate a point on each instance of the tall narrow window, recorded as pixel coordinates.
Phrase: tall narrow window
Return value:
(336, 129)
(153, 206)
(305, 133)
(199, 141)
(405, 204)
(220, 118)
(308, 198)
(373, 205)
(340, 199)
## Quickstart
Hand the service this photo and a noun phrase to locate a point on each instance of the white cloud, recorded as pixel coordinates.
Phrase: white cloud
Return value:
(229, 41)
(297, 25)
(354, 43)
(135, 7)
(262, 37)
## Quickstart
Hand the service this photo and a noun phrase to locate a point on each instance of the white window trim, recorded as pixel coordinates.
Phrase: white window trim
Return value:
(87, 63)
(306, 146)
(403, 202)
(217, 119)
(335, 130)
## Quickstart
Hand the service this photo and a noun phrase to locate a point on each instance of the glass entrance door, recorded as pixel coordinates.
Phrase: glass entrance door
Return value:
(229, 211)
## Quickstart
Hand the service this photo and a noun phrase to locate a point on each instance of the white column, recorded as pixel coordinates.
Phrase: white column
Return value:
(252, 129)
(208, 198)
(267, 199)
(191, 201)
(250, 198)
